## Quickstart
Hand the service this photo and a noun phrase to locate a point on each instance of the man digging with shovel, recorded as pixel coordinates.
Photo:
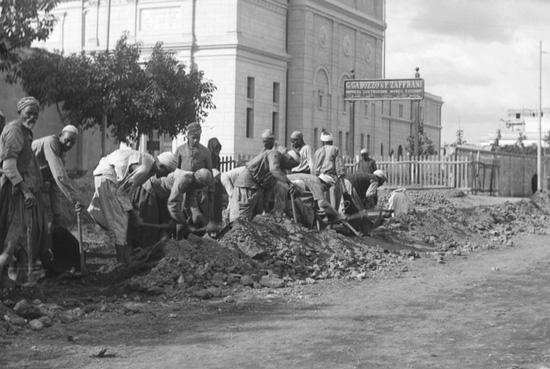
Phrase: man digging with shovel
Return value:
(360, 195)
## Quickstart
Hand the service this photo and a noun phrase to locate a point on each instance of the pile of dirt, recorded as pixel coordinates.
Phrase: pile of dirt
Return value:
(267, 252)
(273, 251)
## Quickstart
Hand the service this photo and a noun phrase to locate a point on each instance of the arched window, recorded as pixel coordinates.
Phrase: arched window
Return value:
(400, 153)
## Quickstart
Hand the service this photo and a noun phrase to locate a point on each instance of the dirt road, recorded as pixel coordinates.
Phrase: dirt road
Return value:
(486, 310)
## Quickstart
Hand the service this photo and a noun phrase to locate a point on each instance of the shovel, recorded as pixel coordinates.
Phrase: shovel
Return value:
(379, 219)
(81, 244)
(294, 215)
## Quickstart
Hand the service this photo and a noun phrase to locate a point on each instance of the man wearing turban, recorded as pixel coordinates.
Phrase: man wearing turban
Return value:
(50, 152)
(367, 165)
(305, 151)
(329, 161)
(23, 229)
(116, 178)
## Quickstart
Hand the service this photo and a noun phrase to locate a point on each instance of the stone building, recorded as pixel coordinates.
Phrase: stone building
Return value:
(277, 64)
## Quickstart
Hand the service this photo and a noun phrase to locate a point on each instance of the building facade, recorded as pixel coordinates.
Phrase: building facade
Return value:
(277, 64)
(521, 124)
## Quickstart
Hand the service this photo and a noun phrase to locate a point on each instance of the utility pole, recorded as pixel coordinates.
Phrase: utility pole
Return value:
(352, 122)
(539, 146)
(417, 123)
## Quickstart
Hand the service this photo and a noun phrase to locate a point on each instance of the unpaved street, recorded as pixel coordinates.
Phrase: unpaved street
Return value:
(486, 310)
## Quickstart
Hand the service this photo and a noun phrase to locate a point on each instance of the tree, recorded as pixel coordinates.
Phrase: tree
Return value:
(22, 23)
(426, 146)
(136, 98)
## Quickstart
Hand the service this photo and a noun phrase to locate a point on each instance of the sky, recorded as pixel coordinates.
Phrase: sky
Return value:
(482, 57)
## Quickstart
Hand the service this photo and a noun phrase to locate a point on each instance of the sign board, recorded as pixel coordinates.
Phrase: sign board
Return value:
(153, 145)
(384, 89)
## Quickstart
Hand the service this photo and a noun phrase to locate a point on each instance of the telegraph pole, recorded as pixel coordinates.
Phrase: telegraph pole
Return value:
(352, 122)
(417, 123)
(539, 146)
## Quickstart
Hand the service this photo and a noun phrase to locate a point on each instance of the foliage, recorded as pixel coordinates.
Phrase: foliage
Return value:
(517, 148)
(135, 99)
(174, 98)
(22, 23)
(425, 147)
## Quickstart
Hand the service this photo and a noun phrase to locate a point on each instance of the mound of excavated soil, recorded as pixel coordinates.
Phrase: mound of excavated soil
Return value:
(267, 252)
(275, 252)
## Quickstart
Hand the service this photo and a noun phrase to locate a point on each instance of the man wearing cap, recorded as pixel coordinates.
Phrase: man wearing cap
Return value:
(311, 201)
(268, 140)
(305, 151)
(150, 207)
(50, 152)
(192, 156)
(260, 174)
(23, 229)
(363, 188)
(116, 177)
(328, 160)
(171, 192)
(367, 164)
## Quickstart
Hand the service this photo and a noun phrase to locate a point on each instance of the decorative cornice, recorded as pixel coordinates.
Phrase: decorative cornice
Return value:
(271, 5)
(341, 13)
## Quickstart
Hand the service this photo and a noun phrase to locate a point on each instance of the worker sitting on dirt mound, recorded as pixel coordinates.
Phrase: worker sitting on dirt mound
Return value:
(260, 173)
(50, 153)
(117, 176)
(311, 203)
(399, 202)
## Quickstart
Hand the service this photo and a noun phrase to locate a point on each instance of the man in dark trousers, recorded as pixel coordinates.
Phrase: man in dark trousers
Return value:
(363, 189)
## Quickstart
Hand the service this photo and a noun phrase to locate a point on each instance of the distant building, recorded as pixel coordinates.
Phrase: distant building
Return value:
(277, 64)
(524, 123)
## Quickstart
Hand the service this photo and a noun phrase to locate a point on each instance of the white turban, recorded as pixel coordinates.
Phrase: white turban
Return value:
(326, 137)
(168, 159)
(70, 128)
(267, 134)
(380, 173)
(364, 151)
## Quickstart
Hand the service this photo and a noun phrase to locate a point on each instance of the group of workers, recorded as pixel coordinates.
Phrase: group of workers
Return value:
(306, 185)
(139, 197)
